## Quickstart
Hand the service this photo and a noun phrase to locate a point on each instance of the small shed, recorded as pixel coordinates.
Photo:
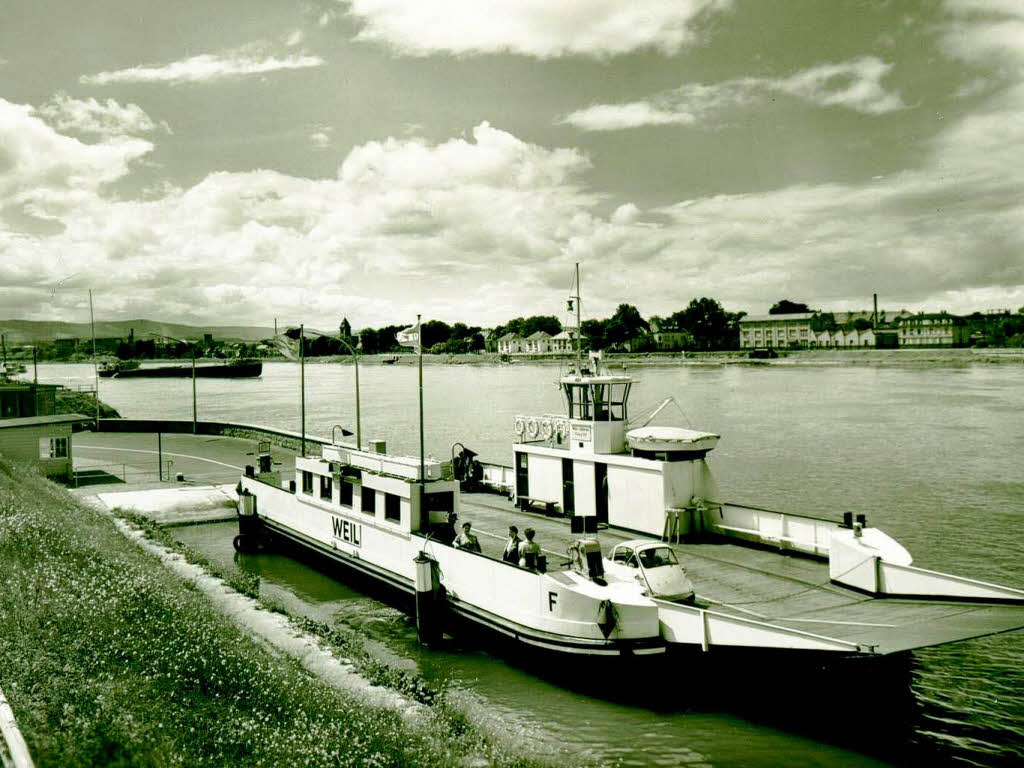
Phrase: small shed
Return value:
(46, 439)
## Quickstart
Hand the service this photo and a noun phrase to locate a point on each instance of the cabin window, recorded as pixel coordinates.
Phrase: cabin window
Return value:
(326, 487)
(307, 482)
(368, 501)
(53, 448)
(392, 508)
(345, 494)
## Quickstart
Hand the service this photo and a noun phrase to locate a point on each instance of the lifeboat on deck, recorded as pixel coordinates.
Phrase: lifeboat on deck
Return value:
(670, 440)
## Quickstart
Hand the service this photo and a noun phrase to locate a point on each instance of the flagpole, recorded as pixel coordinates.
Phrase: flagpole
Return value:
(302, 382)
(419, 346)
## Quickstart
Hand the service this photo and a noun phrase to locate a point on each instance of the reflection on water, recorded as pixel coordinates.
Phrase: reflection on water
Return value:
(931, 455)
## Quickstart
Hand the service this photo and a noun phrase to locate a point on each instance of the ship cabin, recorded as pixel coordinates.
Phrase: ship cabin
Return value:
(369, 494)
(589, 464)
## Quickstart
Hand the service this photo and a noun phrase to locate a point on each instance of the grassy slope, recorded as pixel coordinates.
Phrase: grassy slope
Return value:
(107, 659)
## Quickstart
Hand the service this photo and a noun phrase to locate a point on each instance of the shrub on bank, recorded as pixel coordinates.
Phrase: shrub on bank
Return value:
(108, 659)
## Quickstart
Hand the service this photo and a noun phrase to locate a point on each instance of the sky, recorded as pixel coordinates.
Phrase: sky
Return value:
(233, 162)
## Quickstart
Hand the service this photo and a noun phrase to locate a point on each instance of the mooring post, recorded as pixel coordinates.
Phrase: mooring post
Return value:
(428, 602)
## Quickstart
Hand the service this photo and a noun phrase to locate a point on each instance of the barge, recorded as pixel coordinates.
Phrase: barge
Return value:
(234, 369)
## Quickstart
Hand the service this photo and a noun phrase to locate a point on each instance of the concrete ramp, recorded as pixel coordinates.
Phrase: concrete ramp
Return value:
(178, 506)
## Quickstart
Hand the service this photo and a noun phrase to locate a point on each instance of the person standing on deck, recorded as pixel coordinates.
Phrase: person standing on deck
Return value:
(467, 540)
(511, 553)
(530, 551)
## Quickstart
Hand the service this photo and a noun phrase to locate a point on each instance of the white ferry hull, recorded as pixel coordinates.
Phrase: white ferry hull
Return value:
(488, 594)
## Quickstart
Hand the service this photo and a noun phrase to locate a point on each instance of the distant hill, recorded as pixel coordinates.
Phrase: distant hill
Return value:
(33, 331)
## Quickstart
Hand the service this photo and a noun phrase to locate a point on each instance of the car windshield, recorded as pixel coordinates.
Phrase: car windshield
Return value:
(657, 556)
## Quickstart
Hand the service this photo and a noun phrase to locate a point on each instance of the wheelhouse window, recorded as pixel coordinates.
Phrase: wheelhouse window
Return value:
(307, 482)
(392, 508)
(368, 501)
(326, 487)
(345, 494)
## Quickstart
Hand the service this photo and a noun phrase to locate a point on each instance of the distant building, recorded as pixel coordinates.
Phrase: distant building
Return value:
(777, 331)
(668, 337)
(808, 330)
(345, 329)
(510, 344)
(933, 330)
(46, 439)
(539, 343)
(564, 343)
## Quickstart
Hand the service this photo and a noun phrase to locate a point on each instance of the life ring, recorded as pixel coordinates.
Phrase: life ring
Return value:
(546, 429)
(561, 428)
(531, 428)
(520, 427)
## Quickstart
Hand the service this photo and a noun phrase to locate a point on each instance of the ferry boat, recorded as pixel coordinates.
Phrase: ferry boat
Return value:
(688, 571)
(390, 518)
(685, 570)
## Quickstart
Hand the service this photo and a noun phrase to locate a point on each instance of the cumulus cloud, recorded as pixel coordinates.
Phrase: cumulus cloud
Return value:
(99, 118)
(537, 28)
(401, 216)
(855, 85)
(44, 173)
(485, 226)
(206, 67)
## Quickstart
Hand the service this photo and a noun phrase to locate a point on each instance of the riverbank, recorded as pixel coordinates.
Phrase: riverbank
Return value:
(854, 356)
(108, 658)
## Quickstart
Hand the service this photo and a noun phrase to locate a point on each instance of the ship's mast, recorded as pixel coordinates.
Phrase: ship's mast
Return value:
(579, 329)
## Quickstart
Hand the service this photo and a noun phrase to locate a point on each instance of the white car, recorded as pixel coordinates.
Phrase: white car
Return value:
(651, 565)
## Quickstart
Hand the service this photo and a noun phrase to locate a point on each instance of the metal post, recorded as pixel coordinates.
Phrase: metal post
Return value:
(35, 368)
(95, 369)
(359, 430)
(419, 348)
(302, 383)
(195, 416)
(160, 456)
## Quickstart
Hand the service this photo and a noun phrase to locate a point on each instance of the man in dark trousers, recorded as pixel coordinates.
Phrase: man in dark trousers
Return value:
(511, 552)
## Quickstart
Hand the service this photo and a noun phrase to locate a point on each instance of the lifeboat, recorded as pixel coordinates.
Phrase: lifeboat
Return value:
(671, 440)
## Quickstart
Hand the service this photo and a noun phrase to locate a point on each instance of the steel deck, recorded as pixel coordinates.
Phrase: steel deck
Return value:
(786, 590)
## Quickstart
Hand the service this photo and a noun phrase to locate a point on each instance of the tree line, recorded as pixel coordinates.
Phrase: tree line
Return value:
(704, 325)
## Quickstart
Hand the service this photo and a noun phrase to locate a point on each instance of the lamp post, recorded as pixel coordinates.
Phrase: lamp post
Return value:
(299, 334)
(193, 347)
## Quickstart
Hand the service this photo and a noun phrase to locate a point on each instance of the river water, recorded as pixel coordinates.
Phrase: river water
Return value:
(932, 454)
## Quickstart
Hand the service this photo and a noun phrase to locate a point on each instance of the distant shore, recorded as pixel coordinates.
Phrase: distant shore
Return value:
(906, 356)
(854, 356)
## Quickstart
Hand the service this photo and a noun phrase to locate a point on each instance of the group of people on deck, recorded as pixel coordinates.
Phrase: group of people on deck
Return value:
(517, 551)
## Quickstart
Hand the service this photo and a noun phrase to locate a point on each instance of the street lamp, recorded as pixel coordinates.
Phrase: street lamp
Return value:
(193, 346)
(299, 334)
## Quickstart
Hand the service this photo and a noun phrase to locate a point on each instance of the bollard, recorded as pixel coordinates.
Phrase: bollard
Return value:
(180, 477)
(428, 601)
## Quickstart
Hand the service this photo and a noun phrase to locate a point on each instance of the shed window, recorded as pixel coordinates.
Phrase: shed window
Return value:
(345, 494)
(53, 448)
(307, 482)
(326, 487)
(368, 501)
